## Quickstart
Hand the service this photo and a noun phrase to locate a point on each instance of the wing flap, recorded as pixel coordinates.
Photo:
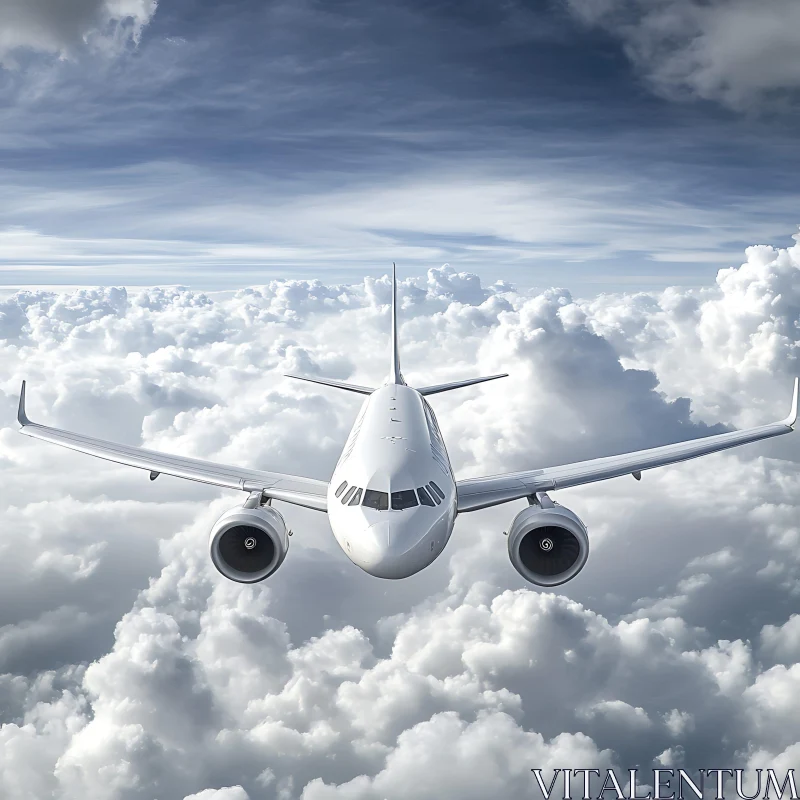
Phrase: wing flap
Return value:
(475, 493)
(290, 488)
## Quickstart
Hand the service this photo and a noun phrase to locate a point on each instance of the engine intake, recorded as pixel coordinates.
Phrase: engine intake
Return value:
(249, 544)
(548, 544)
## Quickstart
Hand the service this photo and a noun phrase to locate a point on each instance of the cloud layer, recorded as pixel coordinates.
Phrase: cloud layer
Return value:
(131, 669)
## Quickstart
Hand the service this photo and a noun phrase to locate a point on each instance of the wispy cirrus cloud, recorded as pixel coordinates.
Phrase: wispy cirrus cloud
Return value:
(536, 226)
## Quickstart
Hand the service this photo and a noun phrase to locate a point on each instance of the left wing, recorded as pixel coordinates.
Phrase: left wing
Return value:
(289, 488)
(475, 493)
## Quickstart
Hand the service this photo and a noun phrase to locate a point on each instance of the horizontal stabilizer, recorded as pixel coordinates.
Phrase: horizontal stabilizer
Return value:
(446, 387)
(350, 387)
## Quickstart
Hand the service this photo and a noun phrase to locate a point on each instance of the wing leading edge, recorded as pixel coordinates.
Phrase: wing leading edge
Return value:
(289, 488)
(475, 493)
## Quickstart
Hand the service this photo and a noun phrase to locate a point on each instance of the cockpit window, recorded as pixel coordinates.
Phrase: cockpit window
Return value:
(376, 500)
(404, 499)
(424, 497)
(356, 498)
(341, 488)
(348, 495)
(434, 496)
(437, 490)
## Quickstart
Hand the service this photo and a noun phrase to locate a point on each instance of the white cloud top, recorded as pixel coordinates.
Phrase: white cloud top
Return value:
(133, 670)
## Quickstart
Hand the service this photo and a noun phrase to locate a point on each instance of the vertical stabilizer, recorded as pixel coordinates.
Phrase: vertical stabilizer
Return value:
(395, 376)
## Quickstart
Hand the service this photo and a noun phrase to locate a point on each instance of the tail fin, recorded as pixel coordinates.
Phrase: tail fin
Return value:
(395, 376)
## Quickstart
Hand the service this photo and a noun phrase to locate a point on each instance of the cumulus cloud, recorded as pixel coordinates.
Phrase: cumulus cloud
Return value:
(227, 793)
(131, 669)
(738, 53)
(745, 329)
(782, 643)
(61, 27)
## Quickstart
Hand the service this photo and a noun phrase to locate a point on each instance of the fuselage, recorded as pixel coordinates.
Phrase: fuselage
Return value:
(392, 498)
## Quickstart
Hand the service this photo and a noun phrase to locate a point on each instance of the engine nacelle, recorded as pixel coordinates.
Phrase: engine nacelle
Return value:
(249, 544)
(548, 544)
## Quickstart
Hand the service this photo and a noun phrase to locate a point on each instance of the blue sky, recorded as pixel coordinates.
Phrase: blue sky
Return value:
(594, 146)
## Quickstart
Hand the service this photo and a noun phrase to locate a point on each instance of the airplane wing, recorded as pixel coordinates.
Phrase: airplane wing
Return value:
(289, 488)
(475, 493)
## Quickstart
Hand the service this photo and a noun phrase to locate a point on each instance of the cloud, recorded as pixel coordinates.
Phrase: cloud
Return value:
(62, 28)
(134, 670)
(521, 218)
(782, 643)
(736, 53)
(745, 329)
(227, 793)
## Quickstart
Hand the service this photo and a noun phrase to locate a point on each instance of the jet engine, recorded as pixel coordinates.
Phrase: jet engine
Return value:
(548, 544)
(249, 544)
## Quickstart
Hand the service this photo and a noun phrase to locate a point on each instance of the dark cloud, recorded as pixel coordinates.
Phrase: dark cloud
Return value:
(64, 28)
(734, 53)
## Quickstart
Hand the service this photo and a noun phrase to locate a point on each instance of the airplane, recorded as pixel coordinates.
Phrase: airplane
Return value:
(393, 499)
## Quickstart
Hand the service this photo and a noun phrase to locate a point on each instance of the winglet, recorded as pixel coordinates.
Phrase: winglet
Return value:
(22, 417)
(792, 418)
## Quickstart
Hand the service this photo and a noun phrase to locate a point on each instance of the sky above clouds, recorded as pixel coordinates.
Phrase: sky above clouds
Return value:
(198, 197)
(595, 145)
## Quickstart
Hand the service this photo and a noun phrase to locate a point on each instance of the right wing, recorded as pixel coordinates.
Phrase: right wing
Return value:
(289, 488)
(475, 493)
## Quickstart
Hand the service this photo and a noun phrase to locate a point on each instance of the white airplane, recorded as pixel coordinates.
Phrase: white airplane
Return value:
(393, 499)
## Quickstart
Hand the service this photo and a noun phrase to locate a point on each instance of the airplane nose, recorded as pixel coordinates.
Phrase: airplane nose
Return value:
(381, 536)
(391, 549)
(383, 557)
